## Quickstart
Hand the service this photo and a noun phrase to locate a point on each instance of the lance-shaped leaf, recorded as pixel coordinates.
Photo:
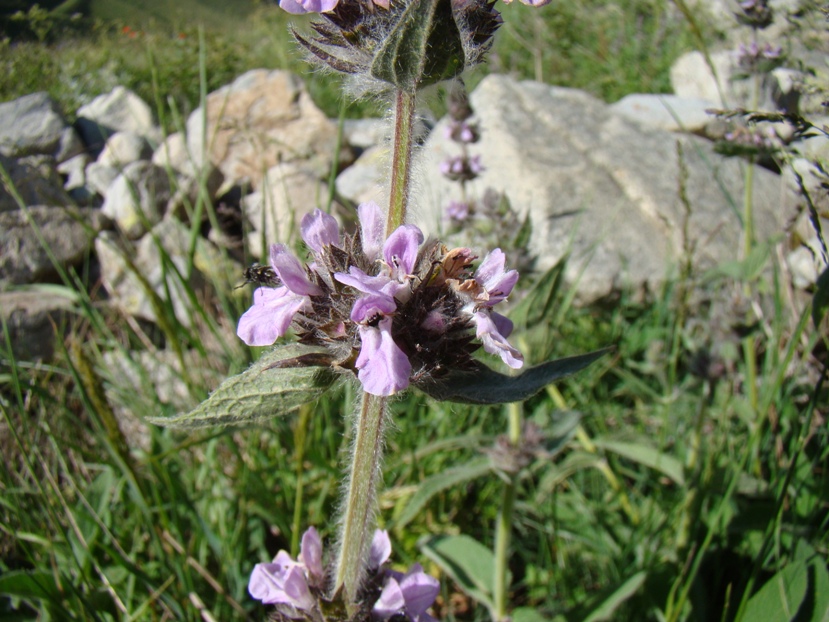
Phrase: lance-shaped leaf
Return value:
(423, 48)
(281, 381)
(485, 386)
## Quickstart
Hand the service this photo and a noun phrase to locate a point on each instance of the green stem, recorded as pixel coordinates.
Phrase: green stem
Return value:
(358, 512)
(401, 159)
(300, 433)
(503, 524)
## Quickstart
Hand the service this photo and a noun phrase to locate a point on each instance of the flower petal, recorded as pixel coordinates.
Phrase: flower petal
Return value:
(366, 308)
(380, 549)
(491, 275)
(494, 342)
(384, 369)
(372, 228)
(400, 250)
(291, 272)
(391, 600)
(270, 316)
(319, 229)
(298, 7)
(310, 553)
(419, 590)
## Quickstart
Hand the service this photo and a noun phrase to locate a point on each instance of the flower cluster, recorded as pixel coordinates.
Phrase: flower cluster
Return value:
(756, 59)
(297, 588)
(394, 310)
(755, 13)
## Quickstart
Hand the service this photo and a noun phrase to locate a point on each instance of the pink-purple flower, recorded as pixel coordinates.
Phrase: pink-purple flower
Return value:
(409, 594)
(387, 308)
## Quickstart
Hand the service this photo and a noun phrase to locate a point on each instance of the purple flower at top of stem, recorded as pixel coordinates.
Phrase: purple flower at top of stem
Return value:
(299, 7)
(458, 211)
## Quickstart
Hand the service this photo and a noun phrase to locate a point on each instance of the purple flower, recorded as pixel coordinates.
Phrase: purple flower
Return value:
(380, 549)
(409, 595)
(400, 251)
(298, 7)
(384, 369)
(495, 281)
(319, 229)
(273, 309)
(372, 228)
(270, 316)
(288, 582)
(457, 210)
(493, 329)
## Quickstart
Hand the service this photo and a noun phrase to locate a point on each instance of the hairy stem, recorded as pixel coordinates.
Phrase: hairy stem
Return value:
(401, 166)
(358, 511)
(503, 524)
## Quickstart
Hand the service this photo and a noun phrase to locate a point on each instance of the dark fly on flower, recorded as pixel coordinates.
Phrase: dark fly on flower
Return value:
(260, 275)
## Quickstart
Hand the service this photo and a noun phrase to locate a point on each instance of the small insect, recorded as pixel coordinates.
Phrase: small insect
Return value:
(260, 275)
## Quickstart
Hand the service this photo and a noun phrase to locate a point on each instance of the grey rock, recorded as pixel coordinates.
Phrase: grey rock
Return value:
(121, 262)
(138, 198)
(124, 148)
(260, 120)
(74, 169)
(35, 180)
(99, 177)
(665, 112)
(598, 188)
(67, 232)
(35, 320)
(365, 133)
(70, 145)
(363, 180)
(289, 191)
(118, 110)
(31, 125)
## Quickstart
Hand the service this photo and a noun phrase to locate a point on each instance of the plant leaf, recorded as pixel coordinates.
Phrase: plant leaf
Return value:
(526, 614)
(281, 381)
(423, 48)
(38, 584)
(646, 456)
(606, 608)
(537, 304)
(437, 483)
(781, 597)
(485, 386)
(467, 561)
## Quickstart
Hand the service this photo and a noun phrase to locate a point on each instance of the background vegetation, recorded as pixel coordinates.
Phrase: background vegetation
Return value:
(697, 473)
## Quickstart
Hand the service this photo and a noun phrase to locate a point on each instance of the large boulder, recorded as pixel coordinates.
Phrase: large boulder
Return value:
(35, 181)
(607, 192)
(120, 110)
(30, 240)
(33, 125)
(262, 119)
(138, 198)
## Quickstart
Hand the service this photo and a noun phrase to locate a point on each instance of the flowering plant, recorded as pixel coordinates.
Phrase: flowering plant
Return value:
(381, 304)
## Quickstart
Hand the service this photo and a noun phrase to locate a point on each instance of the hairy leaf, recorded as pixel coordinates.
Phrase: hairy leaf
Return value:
(423, 48)
(485, 386)
(281, 381)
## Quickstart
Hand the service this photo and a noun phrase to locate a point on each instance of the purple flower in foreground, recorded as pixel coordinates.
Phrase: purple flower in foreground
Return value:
(298, 7)
(392, 310)
(409, 595)
(287, 582)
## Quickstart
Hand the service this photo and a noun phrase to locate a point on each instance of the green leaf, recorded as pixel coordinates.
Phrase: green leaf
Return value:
(469, 563)
(281, 381)
(646, 456)
(608, 605)
(423, 48)
(440, 482)
(820, 301)
(40, 585)
(485, 386)
(526, 614)
(781, 597)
